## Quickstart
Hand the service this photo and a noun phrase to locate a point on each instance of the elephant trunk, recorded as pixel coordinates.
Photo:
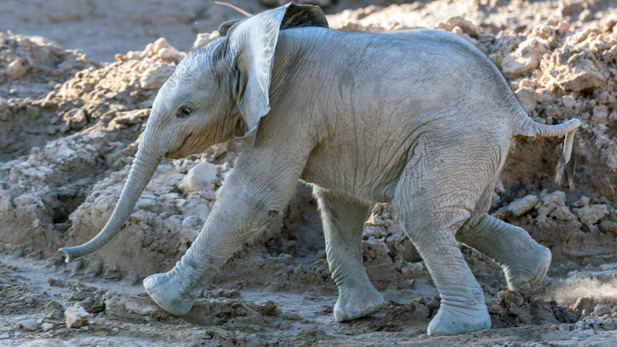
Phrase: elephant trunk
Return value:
(142, 170)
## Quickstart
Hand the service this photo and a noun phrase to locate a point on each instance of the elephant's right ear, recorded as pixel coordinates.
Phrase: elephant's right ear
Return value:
(252, 42)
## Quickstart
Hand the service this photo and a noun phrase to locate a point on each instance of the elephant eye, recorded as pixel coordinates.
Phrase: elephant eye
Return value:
(184, 112)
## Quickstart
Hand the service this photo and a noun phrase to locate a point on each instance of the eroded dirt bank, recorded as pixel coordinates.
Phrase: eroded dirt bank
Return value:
(69, 127)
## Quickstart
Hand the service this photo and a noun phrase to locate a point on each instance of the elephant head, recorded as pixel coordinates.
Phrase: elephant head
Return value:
(217, 92)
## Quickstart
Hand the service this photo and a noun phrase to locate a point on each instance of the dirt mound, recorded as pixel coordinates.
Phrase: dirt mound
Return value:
(62, 170)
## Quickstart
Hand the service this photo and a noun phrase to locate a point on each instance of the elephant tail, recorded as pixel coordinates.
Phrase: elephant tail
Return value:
(565, 167)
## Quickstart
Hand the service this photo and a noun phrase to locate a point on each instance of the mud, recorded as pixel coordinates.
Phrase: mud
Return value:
(70, 124)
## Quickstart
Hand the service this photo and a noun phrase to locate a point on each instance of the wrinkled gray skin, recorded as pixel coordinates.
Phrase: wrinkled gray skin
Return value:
(419, 119)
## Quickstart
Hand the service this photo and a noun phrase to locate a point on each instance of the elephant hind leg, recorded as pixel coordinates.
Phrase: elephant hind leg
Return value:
(343, 222)
(524, 261)
(433, 201)
(431, 224)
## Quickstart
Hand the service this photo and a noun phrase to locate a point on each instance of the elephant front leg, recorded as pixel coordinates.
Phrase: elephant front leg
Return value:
(258, 188)
(524, 261)
(343, 221)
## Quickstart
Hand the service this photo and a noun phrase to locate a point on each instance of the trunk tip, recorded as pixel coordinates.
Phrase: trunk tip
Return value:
(67, 255)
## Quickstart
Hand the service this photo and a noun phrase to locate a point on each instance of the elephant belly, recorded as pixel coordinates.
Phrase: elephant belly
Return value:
(358, 178)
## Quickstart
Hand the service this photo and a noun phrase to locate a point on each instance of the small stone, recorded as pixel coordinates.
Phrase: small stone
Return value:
(76, 317)
(568, 101)
(600, 114)
(198, 178)
(204, 38)
(267, 308)
(601, 310)
(112, 273)
(54, 309)
(95, 268)
(4, 335)
(132, 278)
(527, 98)
(75, 266)
(29, 325)
(583, 201)
(582, 75)
(16, 69)
(523, 205)
(13, 91)
(569, 8)
(5, 110)
(591, 214)
(155, 75)
(47, 326)
(465, 26)
(608, 226)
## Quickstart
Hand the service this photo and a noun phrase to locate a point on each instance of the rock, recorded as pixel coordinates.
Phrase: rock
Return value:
(528, 99)
(54, 310)
(523, 205)
(583, 79)
(47, 326)
(5, 110)
(198, 178)
(466, 26)
(16, 69)
(95, 268)
(29, 324)
(600, 114)
(568, 101)
(569, 8)
(155, 75)
(583, 201)
(591, 214)
(267, 308)
(112, 273)
(607, 226)
(525, 58)
(75, 266)
(75, 118)
(203, 39)
(601, 310)
(578, 75)
(76, 317)
(132, 278)
(517, 207)
(131, 117)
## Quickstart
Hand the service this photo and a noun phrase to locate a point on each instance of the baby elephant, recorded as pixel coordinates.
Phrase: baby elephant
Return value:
(420, 119)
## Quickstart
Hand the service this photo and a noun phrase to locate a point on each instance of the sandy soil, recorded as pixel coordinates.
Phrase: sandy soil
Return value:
(69, 127)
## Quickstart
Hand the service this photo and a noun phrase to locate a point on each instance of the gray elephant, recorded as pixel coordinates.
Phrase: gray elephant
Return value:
(420, 119)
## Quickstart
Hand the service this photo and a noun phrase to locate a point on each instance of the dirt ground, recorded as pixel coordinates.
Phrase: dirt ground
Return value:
(77, 81)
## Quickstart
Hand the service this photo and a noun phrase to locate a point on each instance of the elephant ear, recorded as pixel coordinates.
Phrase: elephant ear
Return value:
(252, 42)
(225, 26)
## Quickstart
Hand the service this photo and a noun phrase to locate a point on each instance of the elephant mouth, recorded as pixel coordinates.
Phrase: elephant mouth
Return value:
(179, 152)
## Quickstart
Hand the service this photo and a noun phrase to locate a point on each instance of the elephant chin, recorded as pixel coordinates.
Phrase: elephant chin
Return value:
(142, 170)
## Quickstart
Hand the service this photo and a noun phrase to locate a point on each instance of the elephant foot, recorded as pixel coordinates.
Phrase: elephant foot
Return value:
(168, 293)
(529, 271)
(356, 303)
(453, 320)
